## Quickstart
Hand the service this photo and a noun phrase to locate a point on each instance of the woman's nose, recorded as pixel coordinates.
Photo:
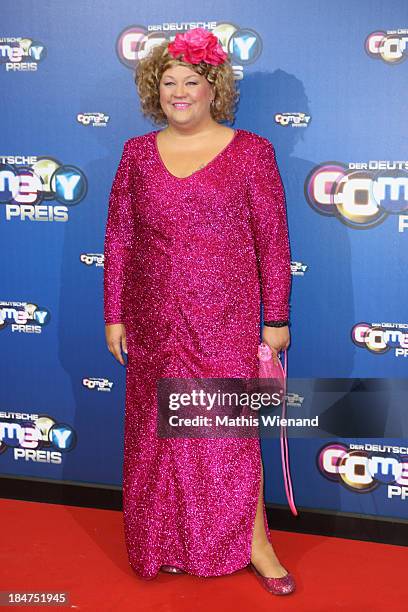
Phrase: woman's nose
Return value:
(179, 91)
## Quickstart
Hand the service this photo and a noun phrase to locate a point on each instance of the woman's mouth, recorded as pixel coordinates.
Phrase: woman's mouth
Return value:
(181, 105)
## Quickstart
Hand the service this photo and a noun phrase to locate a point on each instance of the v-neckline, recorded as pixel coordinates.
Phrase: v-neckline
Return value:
(183, 178)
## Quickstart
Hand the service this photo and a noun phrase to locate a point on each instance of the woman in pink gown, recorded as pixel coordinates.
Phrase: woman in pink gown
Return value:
(187, 259)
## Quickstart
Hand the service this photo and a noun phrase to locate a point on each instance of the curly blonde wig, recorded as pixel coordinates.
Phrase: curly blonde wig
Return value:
(149, 72)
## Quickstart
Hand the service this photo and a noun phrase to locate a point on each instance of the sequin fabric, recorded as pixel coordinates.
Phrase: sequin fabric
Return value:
(187, 261)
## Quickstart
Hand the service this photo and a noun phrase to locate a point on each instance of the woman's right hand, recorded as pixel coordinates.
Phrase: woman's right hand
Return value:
(116, 340)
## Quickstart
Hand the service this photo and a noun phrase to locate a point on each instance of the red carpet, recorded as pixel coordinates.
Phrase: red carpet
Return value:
(47, 547)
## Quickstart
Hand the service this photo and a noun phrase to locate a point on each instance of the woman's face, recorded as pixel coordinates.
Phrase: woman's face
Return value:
(185, 96)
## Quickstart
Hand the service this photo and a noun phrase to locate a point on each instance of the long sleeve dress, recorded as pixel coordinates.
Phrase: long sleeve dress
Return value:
(187, 262)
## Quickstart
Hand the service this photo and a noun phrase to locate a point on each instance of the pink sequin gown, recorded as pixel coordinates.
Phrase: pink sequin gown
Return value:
(187, 261)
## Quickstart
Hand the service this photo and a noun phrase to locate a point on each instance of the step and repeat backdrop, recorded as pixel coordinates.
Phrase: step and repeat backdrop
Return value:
(326, 85)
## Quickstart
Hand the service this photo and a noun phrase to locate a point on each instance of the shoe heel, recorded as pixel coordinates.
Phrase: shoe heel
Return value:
(171, 569)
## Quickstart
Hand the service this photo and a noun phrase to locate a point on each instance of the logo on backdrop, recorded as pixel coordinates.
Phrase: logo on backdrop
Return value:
(298, 268)
(36, 438)
(362, 468)
(92, 259)
(361, 195)
(294, 400)
(100, 384)
(379, 338)
(243, 45)
(19, 54)
(28, 184)
(23, 317)
(93, 119)
(389, 46)
(292, 119)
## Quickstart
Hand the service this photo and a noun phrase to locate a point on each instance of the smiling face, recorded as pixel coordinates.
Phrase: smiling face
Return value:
(185, 96)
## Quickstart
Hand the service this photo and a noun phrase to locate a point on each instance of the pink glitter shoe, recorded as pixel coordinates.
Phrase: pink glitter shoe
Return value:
(276, 586)
(171, 569)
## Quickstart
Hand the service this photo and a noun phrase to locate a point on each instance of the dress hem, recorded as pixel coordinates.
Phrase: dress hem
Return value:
(191, 573)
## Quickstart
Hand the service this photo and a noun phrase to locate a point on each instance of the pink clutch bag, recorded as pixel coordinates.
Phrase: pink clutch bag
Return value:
(268, 369)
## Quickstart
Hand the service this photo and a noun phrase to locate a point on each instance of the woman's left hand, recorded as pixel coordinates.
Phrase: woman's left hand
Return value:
(277, 338)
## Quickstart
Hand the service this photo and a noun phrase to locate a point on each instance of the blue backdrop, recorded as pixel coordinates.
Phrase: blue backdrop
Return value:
(326, 84)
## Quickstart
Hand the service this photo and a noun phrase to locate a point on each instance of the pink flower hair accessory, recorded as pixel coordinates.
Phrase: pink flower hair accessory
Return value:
(198, 45)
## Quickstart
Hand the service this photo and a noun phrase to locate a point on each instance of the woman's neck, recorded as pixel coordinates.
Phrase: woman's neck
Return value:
(177, 131)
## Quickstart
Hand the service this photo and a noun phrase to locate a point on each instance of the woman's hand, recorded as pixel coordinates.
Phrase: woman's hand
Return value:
(116, 340)
(277, 338)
